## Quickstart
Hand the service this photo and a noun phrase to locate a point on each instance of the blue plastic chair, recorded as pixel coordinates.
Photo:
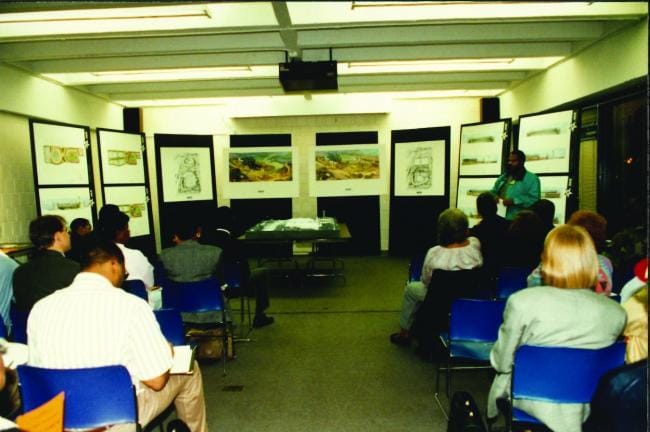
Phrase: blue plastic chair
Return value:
(201, 296)
(171, 325)
(511, 280)
(3, 329)
(560, 375)
(415, 268)
(18, 325)
(473, 330)
(137, 288)
(94, 397)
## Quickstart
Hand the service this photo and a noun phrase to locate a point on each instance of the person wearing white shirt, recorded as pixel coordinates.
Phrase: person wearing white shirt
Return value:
(92, 323)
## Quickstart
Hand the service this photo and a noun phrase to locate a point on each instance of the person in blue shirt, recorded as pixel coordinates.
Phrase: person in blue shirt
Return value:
(517, 188)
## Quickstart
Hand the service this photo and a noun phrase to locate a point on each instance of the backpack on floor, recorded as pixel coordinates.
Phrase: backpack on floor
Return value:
(464, 415)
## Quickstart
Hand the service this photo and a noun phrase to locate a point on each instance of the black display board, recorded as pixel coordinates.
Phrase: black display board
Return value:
(360, 213)
(248, 212)
(414, 219)
(170, 212)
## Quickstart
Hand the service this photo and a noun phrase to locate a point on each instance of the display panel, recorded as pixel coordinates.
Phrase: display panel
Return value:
(186, 174)
(481, 148)
(468, 190)
(420, 168)
(60, 154)
(122, 157)
(261, 172)
(346, 170)
(546, 141)
(70, 203)
(131, 200)
(556, 189)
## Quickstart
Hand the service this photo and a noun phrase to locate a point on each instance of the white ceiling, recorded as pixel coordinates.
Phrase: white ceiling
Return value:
(80, 42)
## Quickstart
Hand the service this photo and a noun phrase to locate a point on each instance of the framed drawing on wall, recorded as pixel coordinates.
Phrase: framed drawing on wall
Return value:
(346, 170)
(60, 153)
(131, 200)
(556, 189)
(546, 141)
(122, 157)
(187, 174)
(261, 172)
(70, 203)
(481, 148)
(469, 188)
(420, 168)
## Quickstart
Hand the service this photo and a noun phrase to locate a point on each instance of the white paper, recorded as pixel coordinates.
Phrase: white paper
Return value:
(546, 141)
(186, 174)
(555, 189)
(122, 158)
(183, 360)
(131, 200)
(481, 148)
(468, 190)
(60, 153)
(420, 168)
(69, 203)
(501, 209)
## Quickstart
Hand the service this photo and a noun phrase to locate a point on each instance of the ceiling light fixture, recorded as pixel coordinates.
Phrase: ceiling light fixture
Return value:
(447, 65)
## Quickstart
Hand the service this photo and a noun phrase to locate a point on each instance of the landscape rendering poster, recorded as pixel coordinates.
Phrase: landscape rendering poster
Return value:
(70, 203)
(481, 148)
(131, 200)
(346, 170)
(546, 141)
(261, 172)
(61, 154)
(468, 190)
(556, 189)
(186, 174)
(121, 157)
(419, 168)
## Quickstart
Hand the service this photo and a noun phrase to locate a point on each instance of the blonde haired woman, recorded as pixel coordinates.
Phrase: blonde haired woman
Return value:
(566, 312)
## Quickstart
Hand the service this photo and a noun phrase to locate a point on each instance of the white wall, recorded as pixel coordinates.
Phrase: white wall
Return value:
(620, 57)
(327, 113)
(23, 96)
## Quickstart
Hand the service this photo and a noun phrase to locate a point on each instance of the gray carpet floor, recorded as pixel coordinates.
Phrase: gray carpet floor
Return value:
(326, 364)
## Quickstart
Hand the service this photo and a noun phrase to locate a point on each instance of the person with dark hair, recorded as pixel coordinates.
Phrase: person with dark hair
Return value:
(115, 226)
(48, 269)
(545, 209)
(517, 188)
(219, 230)
(80, 229)
(455, 251)
(106, 213)
(491, 231)
(524, 240)
(94, 323)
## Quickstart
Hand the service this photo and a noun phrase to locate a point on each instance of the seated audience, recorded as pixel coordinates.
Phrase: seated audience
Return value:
(455, 251)
(490, 231)
(636, 329)
(80, 229)
(116, 227)
(639, 280)
(48, 269)
(7, 267)
(548, 316)
(219, 231)
(545, 209)
(524, 240)
(92, 323)
(596, 226)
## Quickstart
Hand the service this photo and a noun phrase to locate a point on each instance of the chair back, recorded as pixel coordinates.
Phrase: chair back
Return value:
(201, 296)
(3, 329)
(171, 325)
(136, 287)
(18, 325)
(476, 319)
(94, 397)
(511, 280)
(415, 268)
(233, 274)
(562, 375)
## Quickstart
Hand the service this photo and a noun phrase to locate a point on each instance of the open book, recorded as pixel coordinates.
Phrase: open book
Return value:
(183, 360)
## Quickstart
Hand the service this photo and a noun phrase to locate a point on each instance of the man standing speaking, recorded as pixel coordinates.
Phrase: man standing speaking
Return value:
(517, 188)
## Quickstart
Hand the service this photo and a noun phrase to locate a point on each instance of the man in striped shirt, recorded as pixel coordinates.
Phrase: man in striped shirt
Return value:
(92, 323)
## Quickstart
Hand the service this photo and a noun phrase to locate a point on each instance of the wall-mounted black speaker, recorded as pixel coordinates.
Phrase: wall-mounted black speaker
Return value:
(301, 76)
(131, 118)
(490, 111)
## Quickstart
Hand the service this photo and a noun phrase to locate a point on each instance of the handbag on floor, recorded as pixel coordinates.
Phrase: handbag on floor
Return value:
(464, 415)
(210, 343)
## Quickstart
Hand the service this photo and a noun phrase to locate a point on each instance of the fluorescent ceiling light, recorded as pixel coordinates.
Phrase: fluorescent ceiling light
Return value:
(456, 65)
(355, 12)
(131, 19)
(228, 72)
